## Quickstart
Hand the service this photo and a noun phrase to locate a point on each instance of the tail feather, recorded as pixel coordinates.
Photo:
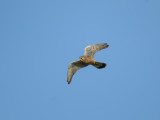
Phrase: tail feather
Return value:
(99, 65)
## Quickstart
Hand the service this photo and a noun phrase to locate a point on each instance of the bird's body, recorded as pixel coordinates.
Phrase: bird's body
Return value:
(87, 59)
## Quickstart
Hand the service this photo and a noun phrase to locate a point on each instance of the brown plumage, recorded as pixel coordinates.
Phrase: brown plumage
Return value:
(86, 60)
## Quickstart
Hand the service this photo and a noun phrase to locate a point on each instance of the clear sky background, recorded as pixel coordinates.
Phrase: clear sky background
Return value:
(39, 39)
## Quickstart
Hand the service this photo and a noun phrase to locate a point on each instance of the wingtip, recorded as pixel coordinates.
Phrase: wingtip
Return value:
(69, 82)
(107, 45)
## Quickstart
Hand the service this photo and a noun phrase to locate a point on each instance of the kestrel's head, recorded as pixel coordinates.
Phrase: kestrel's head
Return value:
(82, 58)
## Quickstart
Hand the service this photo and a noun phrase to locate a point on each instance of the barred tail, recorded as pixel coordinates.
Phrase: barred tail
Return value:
(99, 65)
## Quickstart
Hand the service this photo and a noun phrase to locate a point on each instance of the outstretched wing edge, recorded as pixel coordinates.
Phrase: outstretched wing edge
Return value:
(90, 50)
(73, 68)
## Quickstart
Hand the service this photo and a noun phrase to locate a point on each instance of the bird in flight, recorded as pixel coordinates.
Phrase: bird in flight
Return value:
(87, 59)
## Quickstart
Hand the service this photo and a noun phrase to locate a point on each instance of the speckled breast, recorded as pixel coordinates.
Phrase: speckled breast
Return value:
(89, 60)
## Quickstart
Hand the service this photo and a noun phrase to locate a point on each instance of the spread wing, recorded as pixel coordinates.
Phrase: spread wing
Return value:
(72, 69)
(92, 49)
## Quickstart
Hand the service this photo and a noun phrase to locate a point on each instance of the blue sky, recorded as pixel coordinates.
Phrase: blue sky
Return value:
(39, 39)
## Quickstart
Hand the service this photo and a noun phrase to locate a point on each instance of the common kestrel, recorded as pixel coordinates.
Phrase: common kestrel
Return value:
(87, 59)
